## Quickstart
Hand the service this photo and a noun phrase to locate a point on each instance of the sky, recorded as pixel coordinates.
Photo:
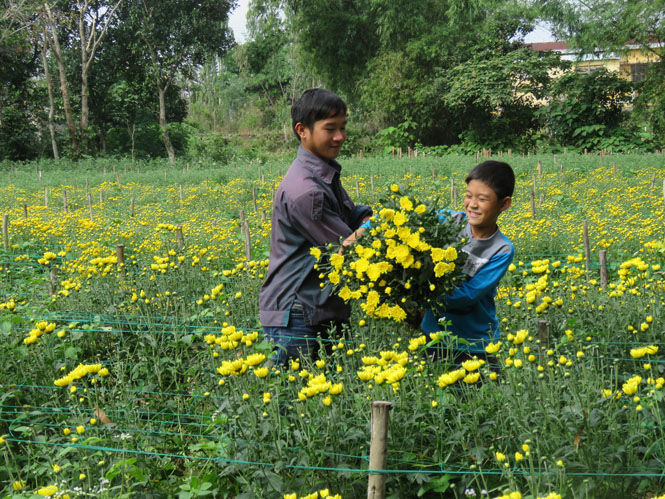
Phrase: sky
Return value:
(237, 22)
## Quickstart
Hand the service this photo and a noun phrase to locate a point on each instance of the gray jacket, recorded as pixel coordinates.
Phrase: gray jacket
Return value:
(311, 208)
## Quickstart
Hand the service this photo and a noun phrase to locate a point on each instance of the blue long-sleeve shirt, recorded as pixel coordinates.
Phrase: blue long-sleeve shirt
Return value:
(470, 307)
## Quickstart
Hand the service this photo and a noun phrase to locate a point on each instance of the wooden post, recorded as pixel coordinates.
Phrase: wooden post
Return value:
(25, 211)
(653, 182)
(164, 172)
(554, 158)
(40, 175)
(544, 334)
(587, 256)
(117, 176)
(361, 154)
(256, 208)
(90, 205)
(602, 257)
(5, 232)
(131, 207)
(101, 195)
(357, 189)
(433, 173)
(52, 279)
(120, 254)
(46, 196)
(453, 196)
(86, 185)
(264, 216)
(533, 204)
(64, 200)
(371, 180)
(180, 193)
(540, 169)
(376, 486)
(180, 239)
(664, 190)
(248, 243)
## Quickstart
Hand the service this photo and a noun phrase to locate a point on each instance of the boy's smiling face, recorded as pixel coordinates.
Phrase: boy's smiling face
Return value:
(482, 208)
(326, 137)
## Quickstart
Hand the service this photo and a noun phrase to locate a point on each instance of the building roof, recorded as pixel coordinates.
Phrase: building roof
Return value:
(542, 46)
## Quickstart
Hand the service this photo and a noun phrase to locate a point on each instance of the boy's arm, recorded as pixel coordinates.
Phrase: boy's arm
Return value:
(314, 218)
(487, 278)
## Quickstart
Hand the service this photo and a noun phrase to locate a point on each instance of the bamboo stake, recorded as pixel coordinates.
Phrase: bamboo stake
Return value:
(131, 207)
(90, 206)
(602, 257)
(371, 180)
(64, 200)
(256, 208)
(248, 243)
(101, 195)
(180, 239)
(543, 335)
(376, 486)
(25, 211)
(46, 197)
(357, 189)
(533, 203)
(180, 193)
(120, 255)
(587, 255)
(5, 232)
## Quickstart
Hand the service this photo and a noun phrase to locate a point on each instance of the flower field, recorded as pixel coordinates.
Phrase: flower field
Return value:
(132, 362)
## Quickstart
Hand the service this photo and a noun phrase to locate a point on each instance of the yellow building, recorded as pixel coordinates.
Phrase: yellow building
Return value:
(632, 62)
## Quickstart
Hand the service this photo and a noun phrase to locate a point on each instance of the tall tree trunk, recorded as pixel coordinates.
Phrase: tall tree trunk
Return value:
(63, 81)
(162, 123)
(51, 104)
(90, 36)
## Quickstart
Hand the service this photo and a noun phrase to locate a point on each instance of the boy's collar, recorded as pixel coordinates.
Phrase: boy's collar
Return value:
(325, 169)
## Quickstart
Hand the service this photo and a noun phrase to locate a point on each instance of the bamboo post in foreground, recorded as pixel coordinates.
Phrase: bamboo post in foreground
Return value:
(25, 211)
(248, 242)
(376, 486)
(587, 255)
(5, 232)
(120, 254)
(180, 239)
(533, 203)
(64, 200)
(131, 207)
(90, 205)
(52, 279)
(544, 334)
(256, 208)
(602, 256)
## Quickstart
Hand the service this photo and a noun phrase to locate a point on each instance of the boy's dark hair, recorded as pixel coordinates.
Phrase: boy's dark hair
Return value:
(498, 175)
(316, 104)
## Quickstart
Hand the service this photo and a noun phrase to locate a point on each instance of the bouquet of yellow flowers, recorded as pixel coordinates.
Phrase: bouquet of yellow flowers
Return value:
(408, 260)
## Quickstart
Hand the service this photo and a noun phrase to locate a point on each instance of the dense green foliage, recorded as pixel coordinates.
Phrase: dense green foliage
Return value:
(454, 75)
(578, 411)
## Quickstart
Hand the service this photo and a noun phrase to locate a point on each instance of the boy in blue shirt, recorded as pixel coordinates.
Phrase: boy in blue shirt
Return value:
(470, 308)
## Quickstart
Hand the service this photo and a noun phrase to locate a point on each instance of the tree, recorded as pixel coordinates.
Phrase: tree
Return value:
(174, 37)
